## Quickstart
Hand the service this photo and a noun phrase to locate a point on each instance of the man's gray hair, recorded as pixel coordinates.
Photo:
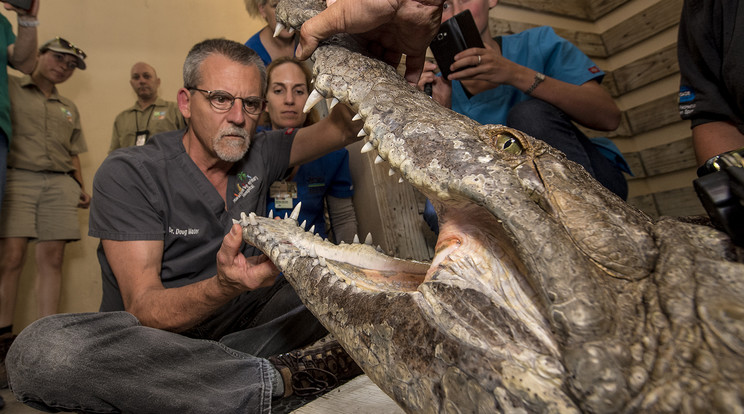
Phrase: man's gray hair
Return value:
(237, 52)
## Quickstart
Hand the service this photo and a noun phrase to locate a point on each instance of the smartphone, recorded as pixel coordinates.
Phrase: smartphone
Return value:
(21, 4)
(455, 35)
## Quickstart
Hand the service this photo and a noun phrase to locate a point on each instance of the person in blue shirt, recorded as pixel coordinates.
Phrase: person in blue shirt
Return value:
(263, 42)
(533, 81)
(322, 184)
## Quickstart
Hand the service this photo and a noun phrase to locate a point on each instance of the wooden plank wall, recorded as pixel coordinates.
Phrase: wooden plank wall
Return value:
(663, 164)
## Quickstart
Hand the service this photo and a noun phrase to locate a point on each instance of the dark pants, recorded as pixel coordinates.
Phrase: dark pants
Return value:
(107, 362)
(548, 123)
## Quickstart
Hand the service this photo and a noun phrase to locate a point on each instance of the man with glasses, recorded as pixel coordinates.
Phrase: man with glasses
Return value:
(44, 180)
(173, 259)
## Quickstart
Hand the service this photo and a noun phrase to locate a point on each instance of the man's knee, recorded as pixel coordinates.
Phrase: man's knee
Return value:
(54, 346)
(534, 117)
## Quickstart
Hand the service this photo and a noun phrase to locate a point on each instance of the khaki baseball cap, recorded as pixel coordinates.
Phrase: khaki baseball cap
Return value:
(61, 45)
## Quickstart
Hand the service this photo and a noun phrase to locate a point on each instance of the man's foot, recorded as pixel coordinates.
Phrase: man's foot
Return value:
(316, 368)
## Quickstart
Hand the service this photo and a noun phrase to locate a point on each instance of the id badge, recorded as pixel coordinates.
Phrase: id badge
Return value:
(283, 193)
(141, 138)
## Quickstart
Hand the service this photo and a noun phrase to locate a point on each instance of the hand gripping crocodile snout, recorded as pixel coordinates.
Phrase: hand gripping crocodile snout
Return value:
(546, 294)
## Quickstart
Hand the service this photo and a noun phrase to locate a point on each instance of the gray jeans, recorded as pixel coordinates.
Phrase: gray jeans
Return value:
(107, 362)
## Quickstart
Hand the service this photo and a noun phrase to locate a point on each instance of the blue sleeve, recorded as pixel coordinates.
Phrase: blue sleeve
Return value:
(341, 185)
(562, 60)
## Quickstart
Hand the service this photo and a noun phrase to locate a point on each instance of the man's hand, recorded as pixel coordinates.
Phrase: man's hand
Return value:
(33, 11)
(441, 88)
(389, 27)
(235, 271)
(84, 199)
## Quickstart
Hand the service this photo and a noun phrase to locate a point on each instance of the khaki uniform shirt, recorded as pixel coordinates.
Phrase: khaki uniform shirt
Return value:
(46, 131)
(162, 116)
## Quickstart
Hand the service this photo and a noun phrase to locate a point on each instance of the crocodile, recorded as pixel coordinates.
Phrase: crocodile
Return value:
(546, 292)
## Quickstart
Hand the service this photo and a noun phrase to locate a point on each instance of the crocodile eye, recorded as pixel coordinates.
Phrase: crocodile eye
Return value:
(509, 143)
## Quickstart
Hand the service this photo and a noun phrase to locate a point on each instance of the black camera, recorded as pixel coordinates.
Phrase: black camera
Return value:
(721, 191)
(455, 35)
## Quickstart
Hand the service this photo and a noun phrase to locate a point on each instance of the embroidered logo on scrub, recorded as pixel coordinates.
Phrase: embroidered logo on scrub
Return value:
(158, 115)
(66, 112)
(244, 183)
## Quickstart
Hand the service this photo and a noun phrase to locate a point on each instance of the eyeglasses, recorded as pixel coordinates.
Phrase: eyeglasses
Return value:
(67, 44)
(223, 101)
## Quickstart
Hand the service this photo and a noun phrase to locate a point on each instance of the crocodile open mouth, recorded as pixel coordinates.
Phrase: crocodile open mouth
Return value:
(472, 254)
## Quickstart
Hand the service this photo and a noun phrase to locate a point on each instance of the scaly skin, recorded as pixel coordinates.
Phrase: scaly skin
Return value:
(547, 293)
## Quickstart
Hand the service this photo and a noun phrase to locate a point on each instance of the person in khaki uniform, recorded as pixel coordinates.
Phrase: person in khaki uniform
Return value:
(149, 115)
(45, 185)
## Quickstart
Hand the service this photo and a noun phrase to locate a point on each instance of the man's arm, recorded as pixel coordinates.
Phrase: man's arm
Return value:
(137, 265)
(22, 54)
(333, 132)
(714, 138)
(77, 174)
(574, 100)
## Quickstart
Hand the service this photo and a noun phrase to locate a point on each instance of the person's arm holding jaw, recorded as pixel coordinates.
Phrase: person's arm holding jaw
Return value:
(333, 132)
(137, 266)
(22, 54)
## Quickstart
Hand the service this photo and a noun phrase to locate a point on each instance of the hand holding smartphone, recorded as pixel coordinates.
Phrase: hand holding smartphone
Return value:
(455, 35)
(21, 4)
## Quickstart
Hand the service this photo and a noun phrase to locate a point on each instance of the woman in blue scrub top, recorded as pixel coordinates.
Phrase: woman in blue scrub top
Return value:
(323, 184)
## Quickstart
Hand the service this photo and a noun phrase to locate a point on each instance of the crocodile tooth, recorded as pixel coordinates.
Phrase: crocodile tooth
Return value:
(362, 133)
(312, 100)
(304, 223)
(271, 214)
(379, 159)
(322, 261)
(334, 102)
(368, 239)
(252, 219)
(278, 29)
(400, 180)
(312, 229)
(296, 211)
(357, 117)
(356, 239)
(391, 172)
(312, 252)
(286, 216)
(291, 30)
(379, 249)
(235, 221)
(367, 147)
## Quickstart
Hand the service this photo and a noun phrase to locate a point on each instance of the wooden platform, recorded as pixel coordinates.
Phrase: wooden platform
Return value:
(358, 396)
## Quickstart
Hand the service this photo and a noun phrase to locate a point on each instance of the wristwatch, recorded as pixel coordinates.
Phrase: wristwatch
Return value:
(539, 77)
